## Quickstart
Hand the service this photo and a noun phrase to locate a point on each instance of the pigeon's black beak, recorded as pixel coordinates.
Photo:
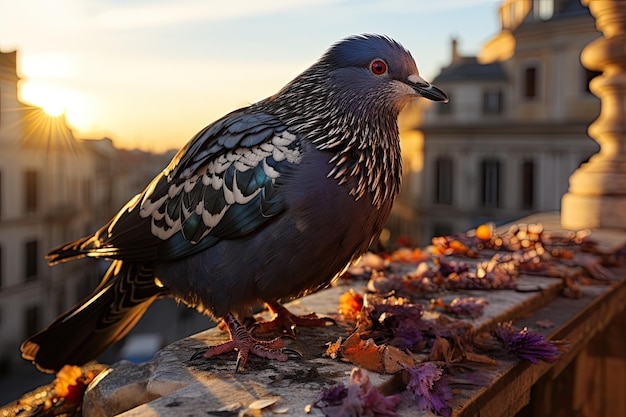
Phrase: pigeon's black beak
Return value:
(426, 89)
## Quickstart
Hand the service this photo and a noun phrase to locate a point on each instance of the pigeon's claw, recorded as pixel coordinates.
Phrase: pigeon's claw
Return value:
(288, 322)
(243, 342)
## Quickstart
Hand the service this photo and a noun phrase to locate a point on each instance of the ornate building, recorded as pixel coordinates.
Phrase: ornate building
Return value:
(515, 127)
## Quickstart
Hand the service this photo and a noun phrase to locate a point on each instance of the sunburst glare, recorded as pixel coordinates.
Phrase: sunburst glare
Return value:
(44, 131)
(56, 101)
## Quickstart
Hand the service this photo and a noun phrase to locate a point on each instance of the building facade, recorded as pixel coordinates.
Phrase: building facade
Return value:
(515, 127)
(54, 188)
(46, 193)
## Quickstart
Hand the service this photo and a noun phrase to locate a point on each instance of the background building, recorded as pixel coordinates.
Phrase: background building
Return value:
(513, 132)
(46, 195)
(54, 189)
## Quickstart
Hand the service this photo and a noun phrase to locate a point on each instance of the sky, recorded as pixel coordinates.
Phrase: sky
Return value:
(151, 73)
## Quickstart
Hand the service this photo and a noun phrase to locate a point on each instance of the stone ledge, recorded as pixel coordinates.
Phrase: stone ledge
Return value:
(174, 385)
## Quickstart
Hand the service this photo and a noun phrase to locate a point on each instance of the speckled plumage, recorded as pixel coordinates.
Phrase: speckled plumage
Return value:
(268, 203)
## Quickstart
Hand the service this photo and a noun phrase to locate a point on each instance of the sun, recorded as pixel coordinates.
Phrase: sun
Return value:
(52, 100)
(53, 109)
(56, 101)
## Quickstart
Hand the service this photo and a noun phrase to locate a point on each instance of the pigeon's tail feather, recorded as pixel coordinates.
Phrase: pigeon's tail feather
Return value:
(104, 317)
(68, 252)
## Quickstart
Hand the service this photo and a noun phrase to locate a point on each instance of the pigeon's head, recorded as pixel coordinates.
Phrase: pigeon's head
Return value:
(348, 103)
(362, 75)
(376, 67)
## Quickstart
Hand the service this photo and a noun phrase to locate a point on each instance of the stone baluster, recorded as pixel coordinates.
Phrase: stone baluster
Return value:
(597, 191)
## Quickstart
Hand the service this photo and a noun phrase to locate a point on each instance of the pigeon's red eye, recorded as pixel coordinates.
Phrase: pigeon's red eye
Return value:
(378, 67)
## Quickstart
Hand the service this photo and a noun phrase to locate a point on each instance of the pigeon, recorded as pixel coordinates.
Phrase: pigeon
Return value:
(269, 203)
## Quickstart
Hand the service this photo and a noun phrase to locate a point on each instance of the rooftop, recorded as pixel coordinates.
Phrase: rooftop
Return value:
(467, 69)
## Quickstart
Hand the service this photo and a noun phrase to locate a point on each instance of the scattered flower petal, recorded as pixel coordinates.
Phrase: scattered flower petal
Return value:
(430, 388)
(350, 305)
(462, 307)
(394, 321)
(525, 345)
(409, 255)
(333, 395)
(359, 399)
(468, 306)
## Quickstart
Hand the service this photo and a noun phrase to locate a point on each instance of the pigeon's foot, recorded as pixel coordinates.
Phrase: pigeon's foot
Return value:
(242, 341)
(287, 321)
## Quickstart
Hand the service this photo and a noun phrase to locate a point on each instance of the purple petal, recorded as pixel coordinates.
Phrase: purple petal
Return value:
(468, 306)
(526, 345)
(360, 398)
(430, 388)
(333, 395)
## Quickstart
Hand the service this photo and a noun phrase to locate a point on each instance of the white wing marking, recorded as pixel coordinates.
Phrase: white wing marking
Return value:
(212, 174)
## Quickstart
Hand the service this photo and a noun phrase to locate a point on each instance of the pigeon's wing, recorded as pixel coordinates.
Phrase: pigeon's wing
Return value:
(221, 185)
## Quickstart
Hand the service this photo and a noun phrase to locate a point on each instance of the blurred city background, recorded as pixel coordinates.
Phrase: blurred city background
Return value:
(504, 147)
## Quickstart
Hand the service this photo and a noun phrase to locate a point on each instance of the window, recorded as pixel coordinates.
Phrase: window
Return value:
(443, 180)
(31, 260)
(528, 184)
(31, 321)
(31, 182)
(492, 102)
(490, 183)
(530, 82)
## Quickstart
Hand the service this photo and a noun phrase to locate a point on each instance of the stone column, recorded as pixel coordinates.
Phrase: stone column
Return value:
(597, 191)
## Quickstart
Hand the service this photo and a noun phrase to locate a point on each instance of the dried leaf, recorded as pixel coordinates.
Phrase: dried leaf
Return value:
(379, 358)
(333, 348)
(444, 351)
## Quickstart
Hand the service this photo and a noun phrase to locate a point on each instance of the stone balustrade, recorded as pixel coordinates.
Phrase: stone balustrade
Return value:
(597, 193)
